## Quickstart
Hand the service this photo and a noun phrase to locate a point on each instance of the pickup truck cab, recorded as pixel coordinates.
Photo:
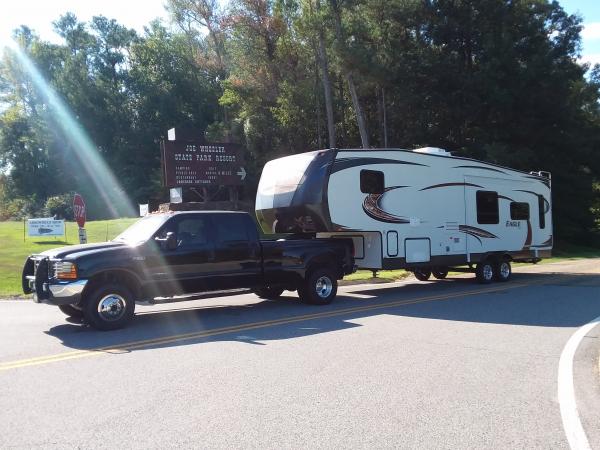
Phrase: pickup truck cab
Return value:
(163, 257)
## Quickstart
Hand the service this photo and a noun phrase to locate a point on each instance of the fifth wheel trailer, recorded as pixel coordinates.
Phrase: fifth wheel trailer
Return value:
(422, 210)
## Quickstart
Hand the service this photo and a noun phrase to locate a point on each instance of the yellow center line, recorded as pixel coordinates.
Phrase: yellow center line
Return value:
(135, 345)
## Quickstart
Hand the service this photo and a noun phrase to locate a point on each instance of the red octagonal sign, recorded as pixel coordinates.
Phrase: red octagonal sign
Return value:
(79, 210)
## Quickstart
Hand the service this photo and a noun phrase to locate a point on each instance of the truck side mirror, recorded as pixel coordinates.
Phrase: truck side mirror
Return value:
(169, 242)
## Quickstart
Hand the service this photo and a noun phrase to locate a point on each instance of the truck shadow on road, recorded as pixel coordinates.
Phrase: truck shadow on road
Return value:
(540, 300)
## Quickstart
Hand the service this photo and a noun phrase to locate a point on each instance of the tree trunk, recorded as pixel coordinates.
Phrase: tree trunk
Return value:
(324, 65)
(348, 75)
(327, 91)
(382, 113)
(317, 102)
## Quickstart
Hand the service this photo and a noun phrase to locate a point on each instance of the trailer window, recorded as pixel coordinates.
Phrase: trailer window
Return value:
(519, 211)
(487, 207)
(371, 182)
(542, 211)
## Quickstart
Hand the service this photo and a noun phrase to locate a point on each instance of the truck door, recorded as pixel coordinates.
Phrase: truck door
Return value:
(237, 252)
(187, 268)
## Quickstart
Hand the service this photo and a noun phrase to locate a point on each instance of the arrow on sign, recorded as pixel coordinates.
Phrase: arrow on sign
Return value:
(242, 173)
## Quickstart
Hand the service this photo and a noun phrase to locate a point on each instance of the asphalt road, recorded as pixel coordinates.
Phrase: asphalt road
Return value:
(444, 364)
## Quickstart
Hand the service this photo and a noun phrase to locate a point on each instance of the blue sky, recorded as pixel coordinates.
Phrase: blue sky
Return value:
(39, 15)
(590, 11)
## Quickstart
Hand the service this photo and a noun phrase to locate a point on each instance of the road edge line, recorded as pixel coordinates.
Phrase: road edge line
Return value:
(566, 390)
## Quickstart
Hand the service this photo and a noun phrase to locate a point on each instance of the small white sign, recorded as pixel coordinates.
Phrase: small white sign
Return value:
(176, 196)
(45, 227)
(82, 236)
(143, 210)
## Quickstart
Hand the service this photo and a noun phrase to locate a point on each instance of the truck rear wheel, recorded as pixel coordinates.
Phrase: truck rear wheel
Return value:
(320, 287)
(109, 307)
(71, 311)
(269, 292)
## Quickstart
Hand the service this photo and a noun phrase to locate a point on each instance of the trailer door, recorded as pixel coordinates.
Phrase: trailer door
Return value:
(483, 215)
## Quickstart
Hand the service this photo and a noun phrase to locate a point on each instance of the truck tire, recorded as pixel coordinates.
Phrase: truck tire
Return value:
(319, 288)
(109, 307)
(269, 292)
(440, 273)
(422, 274)
(503, 271)
(71, 311)
(485, 271)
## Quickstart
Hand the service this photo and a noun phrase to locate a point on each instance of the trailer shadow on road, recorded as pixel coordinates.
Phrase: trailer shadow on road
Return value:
(540, 300)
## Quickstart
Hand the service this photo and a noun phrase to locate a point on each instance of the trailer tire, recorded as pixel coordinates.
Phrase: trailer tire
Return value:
(485, 271)
(319, 287)
(71, 311)
(422, 274)
(503, 271)
(440, 273)
(109, 307)
(269, 292)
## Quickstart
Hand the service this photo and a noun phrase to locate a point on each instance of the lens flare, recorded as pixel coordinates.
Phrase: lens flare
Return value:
(106, 185)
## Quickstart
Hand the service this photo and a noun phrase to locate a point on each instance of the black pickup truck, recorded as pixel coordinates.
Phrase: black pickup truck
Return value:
(163, 257)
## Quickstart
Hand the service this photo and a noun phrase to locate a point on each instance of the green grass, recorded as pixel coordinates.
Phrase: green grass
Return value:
(13, 250)
(382, 275)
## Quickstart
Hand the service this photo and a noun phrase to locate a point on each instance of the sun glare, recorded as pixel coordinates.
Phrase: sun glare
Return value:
(83, 149)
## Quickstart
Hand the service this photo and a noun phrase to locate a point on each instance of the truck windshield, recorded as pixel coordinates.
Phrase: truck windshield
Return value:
(142, 230)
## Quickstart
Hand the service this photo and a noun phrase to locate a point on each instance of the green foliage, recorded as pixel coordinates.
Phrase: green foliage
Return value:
(13, 256)
(492, 79)
(59, 206)
(17, 209)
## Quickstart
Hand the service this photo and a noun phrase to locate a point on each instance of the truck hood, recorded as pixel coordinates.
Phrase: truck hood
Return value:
(74, 251)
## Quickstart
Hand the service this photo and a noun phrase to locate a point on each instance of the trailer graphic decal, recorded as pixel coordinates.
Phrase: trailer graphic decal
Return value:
(527, 243)
(435, 186)
(505, 197)
(477, 233)
(347, 163)
(372, 208)
(546, 202)
(479, 167)
(546, 243)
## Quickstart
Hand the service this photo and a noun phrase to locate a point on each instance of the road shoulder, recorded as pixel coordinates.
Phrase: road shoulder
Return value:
(586, 377)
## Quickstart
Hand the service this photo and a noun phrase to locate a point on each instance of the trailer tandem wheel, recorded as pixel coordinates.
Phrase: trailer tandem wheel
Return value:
(503, 270)
(485, 271)
(422, 274)
(440, 272)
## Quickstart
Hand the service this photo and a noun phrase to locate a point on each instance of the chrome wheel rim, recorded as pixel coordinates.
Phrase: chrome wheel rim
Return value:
(504, 270)
(488, 272)
(324, 286)
(111, 307)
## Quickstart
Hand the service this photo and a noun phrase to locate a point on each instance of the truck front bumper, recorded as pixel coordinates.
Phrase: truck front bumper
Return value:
(59, 293)
(46, 289)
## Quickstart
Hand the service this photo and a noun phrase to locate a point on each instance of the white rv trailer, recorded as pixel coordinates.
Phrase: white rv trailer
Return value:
(423, 210)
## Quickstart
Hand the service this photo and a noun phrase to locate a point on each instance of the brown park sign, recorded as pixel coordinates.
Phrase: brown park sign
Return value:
(187, 163)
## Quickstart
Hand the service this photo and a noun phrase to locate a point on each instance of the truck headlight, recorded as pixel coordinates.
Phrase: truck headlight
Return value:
(65, 270)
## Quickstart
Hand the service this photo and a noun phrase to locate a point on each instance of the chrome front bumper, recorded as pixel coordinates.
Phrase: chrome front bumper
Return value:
(60, 293)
